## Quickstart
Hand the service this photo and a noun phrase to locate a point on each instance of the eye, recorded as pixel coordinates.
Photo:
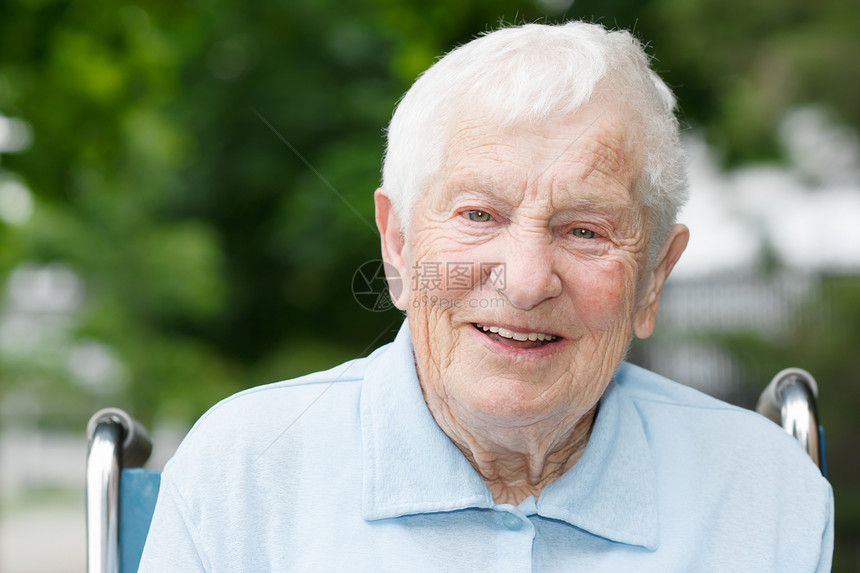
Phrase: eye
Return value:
(478, 216)
(583, 233)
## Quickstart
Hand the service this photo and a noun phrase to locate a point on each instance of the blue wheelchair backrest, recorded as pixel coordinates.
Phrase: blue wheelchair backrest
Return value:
(138, 491)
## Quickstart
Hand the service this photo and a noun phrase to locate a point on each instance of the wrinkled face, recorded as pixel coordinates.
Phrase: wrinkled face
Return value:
(527, 261)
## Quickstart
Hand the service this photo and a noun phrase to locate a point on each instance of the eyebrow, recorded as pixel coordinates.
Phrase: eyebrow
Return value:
(597, 202)
(569, 194)
(473, 183)
(572, 204)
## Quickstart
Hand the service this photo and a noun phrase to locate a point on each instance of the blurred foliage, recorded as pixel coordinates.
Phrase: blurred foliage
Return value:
(168, 176)
(170, 146)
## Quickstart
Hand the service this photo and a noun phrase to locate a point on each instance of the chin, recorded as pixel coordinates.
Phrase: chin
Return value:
(507, 402)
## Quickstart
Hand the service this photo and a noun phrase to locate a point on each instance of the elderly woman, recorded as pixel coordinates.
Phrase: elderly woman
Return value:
(536, 171)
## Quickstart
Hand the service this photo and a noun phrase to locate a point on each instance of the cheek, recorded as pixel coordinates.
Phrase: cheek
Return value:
(603, 293)
(435, 279)
(444, 271)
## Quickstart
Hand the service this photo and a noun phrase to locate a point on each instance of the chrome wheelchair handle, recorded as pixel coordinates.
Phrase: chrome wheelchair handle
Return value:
(789, 400)
(115, 440)
(136, 442)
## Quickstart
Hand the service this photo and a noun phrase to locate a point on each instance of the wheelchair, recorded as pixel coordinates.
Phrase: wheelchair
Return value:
(121, 495)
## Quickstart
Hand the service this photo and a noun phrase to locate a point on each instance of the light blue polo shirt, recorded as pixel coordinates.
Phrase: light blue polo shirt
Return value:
(346, 470)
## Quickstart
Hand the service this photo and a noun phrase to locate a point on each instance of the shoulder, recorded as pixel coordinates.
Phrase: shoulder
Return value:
(644, 385)
(282, 397)
(746, 482)
(656, 395)
(244, 425)
(689, 429)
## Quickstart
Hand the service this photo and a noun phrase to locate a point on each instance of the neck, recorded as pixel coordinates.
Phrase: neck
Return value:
(517, 461)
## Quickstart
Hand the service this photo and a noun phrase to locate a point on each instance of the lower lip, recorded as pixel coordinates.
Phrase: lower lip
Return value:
(502, 348)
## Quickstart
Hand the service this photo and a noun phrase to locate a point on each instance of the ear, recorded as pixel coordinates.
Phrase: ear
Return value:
(393, 254)
(649, 295)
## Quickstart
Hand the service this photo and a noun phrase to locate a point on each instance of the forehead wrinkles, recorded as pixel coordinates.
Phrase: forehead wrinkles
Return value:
(476, 140)
(476, 153)
(602, 150)
(594, 146)
(605, 159)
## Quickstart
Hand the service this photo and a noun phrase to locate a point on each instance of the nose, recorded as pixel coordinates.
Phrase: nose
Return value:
(530, 276)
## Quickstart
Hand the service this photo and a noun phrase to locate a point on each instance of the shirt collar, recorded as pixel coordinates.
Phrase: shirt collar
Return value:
(611, 491)
(411, 466)
(405, 450)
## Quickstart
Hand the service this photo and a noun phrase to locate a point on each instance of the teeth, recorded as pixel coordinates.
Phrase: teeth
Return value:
(505, 333)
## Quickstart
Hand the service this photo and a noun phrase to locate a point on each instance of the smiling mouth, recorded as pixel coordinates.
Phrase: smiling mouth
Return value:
(517, 339)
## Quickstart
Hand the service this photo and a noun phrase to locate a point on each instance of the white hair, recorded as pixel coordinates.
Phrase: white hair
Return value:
(529, 74)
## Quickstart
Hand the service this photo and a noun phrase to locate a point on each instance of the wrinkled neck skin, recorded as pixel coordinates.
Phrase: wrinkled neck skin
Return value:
(514, 461)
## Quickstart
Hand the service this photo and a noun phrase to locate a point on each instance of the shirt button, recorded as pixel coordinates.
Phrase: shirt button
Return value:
(512, 522)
